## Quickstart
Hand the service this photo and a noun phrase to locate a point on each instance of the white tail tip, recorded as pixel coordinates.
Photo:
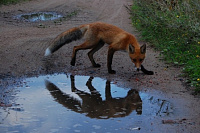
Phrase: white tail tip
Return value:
(47, 52)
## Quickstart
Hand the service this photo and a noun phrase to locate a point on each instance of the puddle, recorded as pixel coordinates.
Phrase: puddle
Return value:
(66, 103)
(39, 16)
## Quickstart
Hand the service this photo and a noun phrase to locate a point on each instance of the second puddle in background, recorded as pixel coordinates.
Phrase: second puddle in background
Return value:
(39, 16)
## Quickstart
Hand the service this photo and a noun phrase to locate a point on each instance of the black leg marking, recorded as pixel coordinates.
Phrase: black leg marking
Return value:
(91, 53)
(109, 60)
(145, 71)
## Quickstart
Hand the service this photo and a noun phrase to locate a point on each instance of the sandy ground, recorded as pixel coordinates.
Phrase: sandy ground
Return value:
(22, 46)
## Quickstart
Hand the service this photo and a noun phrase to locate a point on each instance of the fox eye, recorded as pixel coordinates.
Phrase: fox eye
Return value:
(141, 60)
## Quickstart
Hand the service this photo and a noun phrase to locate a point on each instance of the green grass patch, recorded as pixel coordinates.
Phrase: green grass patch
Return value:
(6, 2)
(173, 27)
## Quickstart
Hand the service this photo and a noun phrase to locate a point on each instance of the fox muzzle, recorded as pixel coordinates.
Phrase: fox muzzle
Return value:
(137, 67)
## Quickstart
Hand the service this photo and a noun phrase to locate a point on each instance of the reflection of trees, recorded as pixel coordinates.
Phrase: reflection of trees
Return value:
(93, 105)
(161, 107)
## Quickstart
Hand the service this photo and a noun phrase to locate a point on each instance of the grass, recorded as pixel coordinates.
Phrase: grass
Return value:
(173, 27)
(6, 2)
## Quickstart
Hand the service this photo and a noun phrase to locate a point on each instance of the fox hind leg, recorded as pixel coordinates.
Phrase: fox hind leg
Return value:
(74, 56)
(85, 45)
(95, 49)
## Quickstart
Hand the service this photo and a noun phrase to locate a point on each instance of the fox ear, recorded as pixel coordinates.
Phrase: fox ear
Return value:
(143, 49)
(131, 49)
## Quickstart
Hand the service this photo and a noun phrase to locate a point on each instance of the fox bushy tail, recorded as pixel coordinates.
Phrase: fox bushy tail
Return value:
(65, 38)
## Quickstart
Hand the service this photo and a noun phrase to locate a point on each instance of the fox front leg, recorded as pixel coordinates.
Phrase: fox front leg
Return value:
(111, 52)
(145, 71)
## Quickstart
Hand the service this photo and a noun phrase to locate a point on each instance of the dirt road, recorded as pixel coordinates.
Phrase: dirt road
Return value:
(23, 44)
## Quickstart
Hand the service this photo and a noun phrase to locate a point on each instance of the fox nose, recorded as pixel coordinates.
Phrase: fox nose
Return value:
(137, 67)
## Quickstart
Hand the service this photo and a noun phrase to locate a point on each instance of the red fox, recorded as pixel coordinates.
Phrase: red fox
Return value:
(96, 35)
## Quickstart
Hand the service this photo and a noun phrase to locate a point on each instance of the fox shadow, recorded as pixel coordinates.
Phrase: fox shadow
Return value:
(93, 105)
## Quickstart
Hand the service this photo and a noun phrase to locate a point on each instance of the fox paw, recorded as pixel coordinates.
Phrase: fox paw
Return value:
(149, 72)
(112, 71)
(97, 65)
(145, 71)
(72, 63)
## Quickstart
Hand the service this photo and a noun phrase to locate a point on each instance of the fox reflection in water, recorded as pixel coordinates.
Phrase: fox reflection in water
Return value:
(92, 104)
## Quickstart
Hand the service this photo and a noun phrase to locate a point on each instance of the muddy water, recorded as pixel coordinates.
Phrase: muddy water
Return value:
(67, 103)
(39, 16)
